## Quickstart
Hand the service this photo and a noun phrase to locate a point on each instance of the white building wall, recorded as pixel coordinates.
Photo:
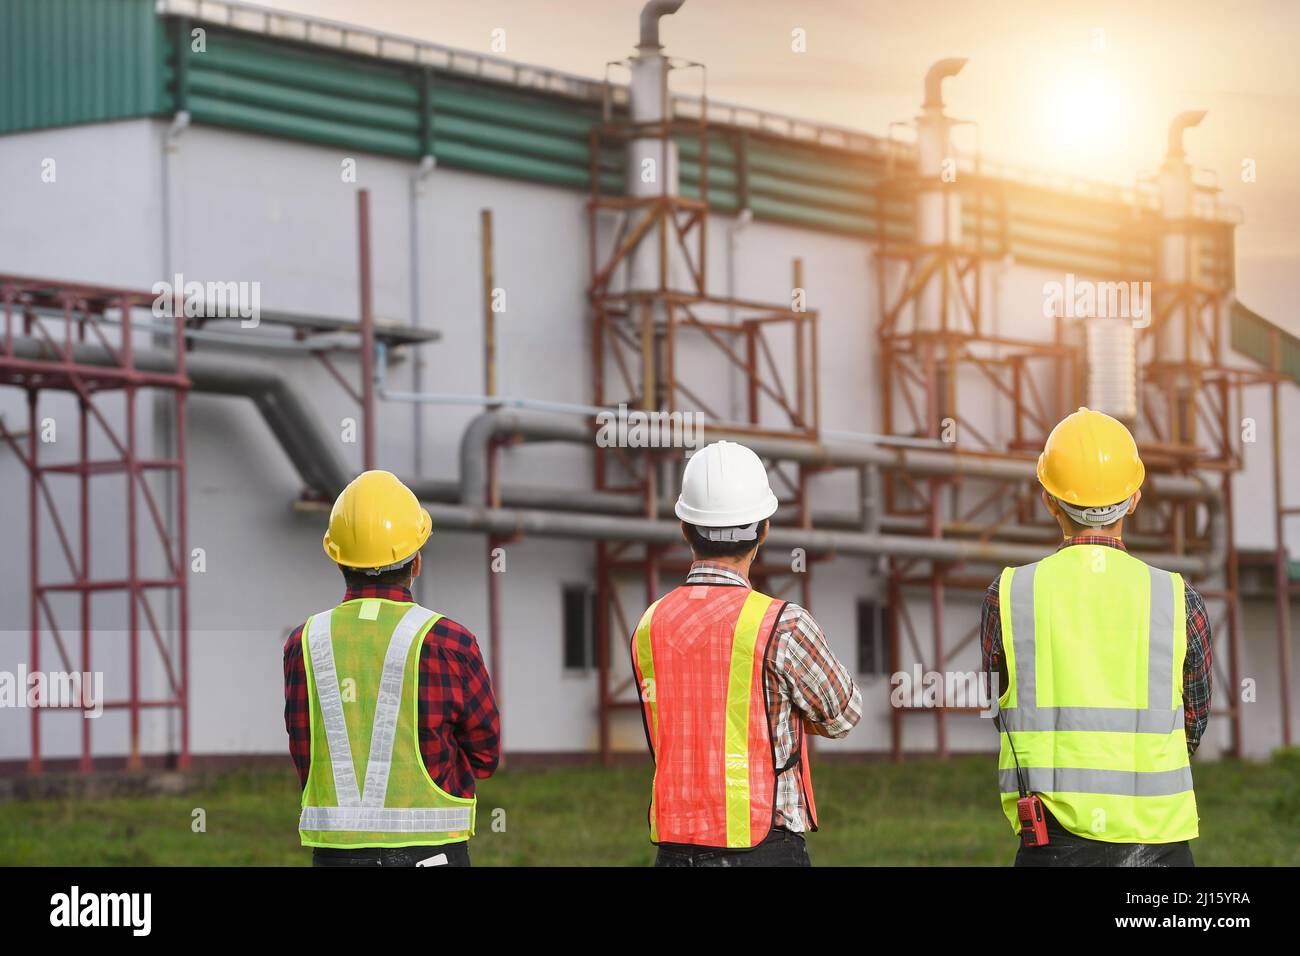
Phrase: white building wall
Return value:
(249, 208)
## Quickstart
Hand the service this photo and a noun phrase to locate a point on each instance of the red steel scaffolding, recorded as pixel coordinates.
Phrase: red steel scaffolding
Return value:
(45, 327)
(639, 339)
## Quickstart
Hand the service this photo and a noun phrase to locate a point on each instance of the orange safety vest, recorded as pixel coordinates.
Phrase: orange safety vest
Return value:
(699, 654)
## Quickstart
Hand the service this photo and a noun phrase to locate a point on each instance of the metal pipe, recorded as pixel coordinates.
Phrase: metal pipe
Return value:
(285, 411)
(34, 563)
(313, 455)
(1281, 579)
(502, 424)
(496, 425)
(487, 427)
(489, 314)
(650, 16)
(1181, 123)
(422, 173)
(935, 76)
(367, 332)
(590, 527)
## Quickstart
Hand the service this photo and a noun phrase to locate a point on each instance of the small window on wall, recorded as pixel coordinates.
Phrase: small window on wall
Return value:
(579, 603)
(873, 654)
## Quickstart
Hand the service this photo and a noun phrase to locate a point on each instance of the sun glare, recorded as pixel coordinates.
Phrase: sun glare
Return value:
(1086, 118)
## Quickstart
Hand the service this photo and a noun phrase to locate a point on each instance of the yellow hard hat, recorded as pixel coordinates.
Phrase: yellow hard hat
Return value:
(1090, 460)
(377, 523)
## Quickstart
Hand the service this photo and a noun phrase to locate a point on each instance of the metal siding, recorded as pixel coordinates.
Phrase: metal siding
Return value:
(251, 83)
(64, 62)
(1252, 335)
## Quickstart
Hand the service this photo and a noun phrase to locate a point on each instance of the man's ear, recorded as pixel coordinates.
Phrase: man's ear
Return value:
(1049, 503)
(416, 565)
(1132, 505)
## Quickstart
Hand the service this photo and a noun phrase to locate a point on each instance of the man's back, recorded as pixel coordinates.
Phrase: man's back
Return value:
(802, 686)
(453, 721)
(1092, 716)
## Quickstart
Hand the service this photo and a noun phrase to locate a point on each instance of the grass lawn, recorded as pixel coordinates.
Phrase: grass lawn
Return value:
(924, 812)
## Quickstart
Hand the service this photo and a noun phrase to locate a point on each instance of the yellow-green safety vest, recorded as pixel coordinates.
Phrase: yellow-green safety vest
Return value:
(362, 661)
(1094, 641)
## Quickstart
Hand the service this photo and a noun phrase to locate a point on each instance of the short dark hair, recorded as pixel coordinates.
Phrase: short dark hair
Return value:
(397, 577)
(708, 548)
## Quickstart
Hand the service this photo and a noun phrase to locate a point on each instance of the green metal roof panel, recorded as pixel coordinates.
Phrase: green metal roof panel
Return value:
(69, 61)
(79, 61)
(1252, 336)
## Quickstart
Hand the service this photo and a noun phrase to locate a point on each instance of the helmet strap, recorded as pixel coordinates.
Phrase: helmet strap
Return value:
(745, 532)
(375, 572)
(1095, 517)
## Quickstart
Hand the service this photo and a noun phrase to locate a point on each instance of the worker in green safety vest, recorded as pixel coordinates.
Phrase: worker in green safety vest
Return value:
(390, 711)
(1104, 665)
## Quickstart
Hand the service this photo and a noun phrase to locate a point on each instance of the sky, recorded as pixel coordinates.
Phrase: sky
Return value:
(1083, 88)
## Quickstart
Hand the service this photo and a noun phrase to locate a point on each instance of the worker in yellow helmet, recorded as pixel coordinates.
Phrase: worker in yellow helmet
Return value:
(390, 711)
(1105, 665)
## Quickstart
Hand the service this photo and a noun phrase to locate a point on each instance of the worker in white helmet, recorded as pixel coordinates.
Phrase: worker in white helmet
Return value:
(730, 681)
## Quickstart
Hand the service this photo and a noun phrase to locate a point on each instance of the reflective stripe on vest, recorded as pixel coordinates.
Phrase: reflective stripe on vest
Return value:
(336, 811)
(331, 706)
(1122, 783)
(739, 682)
(695, 729)
(646, 689)
(387, 819)
(1097, 625)
(386, 704)
(1153, 719)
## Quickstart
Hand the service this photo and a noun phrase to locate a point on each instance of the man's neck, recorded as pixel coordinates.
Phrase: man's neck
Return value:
(739, 565)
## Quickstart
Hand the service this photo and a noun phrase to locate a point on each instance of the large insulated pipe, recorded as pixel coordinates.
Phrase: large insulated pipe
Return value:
(314, 456)
(489, 427)
(500, 425)
(497, 425)
(588, 527)
(288, 416)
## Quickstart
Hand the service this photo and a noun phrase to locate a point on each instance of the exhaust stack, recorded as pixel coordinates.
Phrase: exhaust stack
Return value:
(1182, 122)
(938, 207)
(651, 14)
(650, 161)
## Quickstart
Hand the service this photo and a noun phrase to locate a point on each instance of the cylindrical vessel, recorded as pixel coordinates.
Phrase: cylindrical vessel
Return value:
(1112, 367)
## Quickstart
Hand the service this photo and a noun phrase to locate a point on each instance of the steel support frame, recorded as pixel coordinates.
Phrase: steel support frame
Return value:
(78, 311)
(636, 338)
(919, 369)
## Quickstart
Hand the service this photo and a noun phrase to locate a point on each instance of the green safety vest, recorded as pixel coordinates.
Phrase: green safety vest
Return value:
(371, 734)
(1094, 641)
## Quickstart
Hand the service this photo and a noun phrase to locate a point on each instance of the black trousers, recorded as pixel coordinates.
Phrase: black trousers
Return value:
(1068, 849)
(449, 854)
(780, 848)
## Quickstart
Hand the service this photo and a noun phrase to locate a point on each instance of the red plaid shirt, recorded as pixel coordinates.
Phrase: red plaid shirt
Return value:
(1196, 665)
(460, 730)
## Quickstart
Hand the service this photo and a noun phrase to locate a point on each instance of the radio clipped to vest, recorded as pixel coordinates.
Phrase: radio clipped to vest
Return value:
(1029, 808)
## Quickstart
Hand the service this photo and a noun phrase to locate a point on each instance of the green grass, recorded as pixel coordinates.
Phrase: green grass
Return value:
(924, 812)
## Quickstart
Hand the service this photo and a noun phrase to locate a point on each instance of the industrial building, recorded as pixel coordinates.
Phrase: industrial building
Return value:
(447, 264)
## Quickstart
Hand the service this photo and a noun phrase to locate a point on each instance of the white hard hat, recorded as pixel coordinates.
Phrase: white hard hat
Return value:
(725, 485)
